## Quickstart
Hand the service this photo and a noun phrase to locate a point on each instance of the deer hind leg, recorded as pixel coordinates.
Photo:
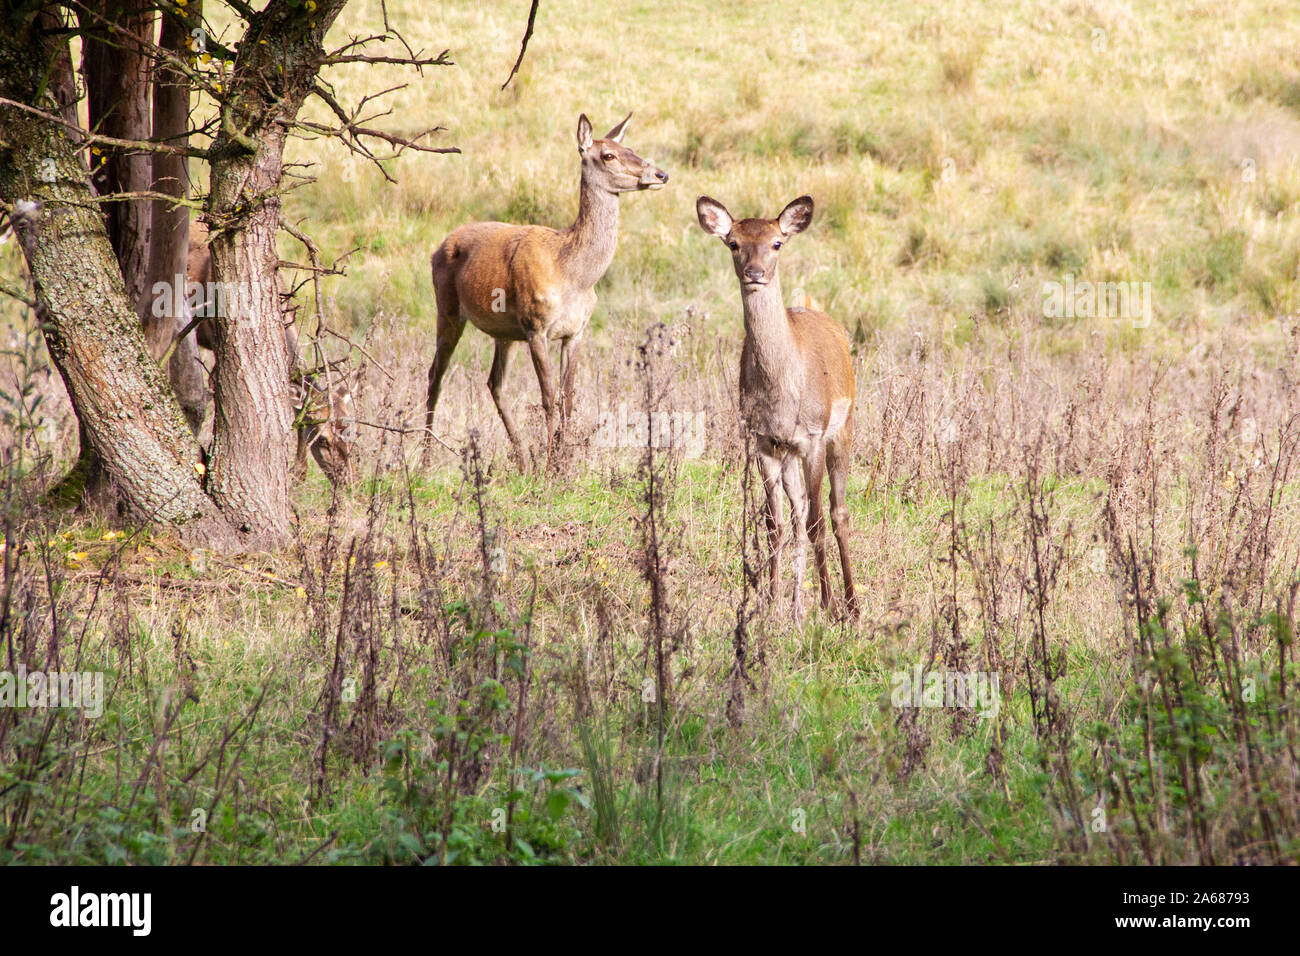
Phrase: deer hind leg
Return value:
(537, 344)
(795, 490)
(500, 362)
(814, 468)
(838, 452)
(769, 468)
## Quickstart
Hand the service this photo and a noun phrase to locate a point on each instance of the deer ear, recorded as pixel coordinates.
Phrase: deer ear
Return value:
(796, 216)
(616, 134)
(714, 218)
(584, 133)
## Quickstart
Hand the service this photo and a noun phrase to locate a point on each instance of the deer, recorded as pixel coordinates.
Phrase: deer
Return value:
(797, 391)
(535, 284)
(324, 416)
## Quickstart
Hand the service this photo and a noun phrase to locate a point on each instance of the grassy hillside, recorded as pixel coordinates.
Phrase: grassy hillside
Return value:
(960, 154)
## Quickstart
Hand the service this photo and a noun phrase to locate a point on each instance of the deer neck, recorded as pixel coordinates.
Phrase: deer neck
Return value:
(590, 242)
(767, 327)
(775, 375)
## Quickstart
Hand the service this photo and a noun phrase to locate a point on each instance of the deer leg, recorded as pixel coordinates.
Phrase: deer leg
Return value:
(838, 453)
(301, 411)
(814, 468)
(542, 365)
(500, 361)
(568, 366)
(769, 467)
(450, 327)
(299, 470)
(792, 478)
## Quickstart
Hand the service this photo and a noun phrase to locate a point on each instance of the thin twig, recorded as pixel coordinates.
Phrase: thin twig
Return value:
(421, 429)
(523, 47)
(378, 364)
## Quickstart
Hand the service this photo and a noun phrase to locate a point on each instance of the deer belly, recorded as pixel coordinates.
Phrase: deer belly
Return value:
(499, 325)
(555, 315)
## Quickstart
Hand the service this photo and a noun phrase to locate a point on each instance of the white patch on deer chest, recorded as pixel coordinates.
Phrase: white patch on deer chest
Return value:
(567, 314)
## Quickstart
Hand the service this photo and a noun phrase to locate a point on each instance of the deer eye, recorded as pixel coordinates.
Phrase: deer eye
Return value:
(733, 245)
(607, 156)
(776, 245)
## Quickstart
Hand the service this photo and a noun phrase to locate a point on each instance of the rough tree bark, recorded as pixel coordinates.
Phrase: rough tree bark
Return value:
(118, 105)
(122, 399)
(170, 225)
(275, 71)
(116, 71)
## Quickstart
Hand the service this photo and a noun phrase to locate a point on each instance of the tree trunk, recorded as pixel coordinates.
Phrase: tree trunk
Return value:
(118, 102)
(116, 69)
(253, 427)
(170, 225)
(92, 331)
(63, 77)
(86, 479)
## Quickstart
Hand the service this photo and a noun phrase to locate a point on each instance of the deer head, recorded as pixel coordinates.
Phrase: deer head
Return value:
(610, 164)
(755, 244)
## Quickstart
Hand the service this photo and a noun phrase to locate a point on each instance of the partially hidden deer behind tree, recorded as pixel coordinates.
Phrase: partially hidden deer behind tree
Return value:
(797, 391)
(535, 284)
(323, 413)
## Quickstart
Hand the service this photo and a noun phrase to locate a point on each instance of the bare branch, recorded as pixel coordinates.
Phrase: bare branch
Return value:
(350, 131)
(312, 249)
(92, 139)
(194, 324)
(523, 47)
(401, 143)
(150, 194)
(22, 297)
(442, 59)
(419, 430)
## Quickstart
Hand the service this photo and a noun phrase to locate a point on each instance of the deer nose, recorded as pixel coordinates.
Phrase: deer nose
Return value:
(661, 175)
(754, 274)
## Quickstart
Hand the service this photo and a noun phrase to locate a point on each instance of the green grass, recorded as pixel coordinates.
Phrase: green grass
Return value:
(979, 141)
(821, 745)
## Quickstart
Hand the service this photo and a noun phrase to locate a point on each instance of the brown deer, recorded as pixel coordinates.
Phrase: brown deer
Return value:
(324, 415)
(796, 395)
(535, 284)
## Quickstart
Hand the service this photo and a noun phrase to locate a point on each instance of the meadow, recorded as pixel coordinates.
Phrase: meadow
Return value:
(461, 661)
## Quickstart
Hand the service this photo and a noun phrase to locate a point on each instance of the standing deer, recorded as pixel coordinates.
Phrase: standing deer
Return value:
(796, 395)
(535, 284)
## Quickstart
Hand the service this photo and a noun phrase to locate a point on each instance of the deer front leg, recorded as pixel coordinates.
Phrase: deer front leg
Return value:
(568, 366)
(537, 343)
(769, 468)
